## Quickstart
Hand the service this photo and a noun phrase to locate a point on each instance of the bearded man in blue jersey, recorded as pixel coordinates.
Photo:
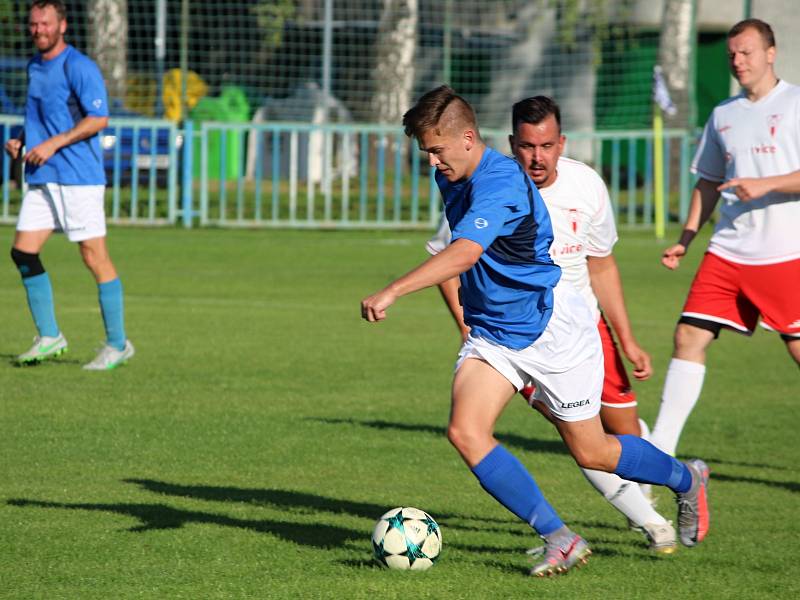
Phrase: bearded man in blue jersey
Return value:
(525, 327)
(66, 109)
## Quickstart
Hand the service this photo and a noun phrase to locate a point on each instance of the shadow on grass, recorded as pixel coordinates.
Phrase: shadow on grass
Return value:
(508, 568)
(11, 360)
(361, 564)
(272, 497)
(710, 460)
(509, 439)
(159, 517)
(791, 486)
(304, 502)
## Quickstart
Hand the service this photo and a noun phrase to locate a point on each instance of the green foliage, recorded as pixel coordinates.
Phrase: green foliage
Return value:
(12, 25)
(270, 18)
(262, 428)
(603, 21)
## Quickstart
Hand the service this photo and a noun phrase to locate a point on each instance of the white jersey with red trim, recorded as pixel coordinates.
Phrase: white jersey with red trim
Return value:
(583, 223)
(754, 139)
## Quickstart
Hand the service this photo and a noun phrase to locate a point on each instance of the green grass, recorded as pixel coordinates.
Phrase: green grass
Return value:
(248, 448)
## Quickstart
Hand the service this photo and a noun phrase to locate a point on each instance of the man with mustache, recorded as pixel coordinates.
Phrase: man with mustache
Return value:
(584, 236)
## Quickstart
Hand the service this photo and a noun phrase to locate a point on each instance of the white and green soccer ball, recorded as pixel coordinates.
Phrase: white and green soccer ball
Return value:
(406, 538)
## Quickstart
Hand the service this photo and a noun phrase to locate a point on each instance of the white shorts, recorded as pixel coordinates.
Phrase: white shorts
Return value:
(565, 363)
(77, 210)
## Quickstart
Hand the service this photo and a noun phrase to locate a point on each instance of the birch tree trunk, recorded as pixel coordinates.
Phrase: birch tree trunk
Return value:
(675, 55)
(395, 46)
(108, 42)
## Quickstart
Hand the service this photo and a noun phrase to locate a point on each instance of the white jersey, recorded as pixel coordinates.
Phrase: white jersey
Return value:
(754, 139)
(583, 223)
(582, 220)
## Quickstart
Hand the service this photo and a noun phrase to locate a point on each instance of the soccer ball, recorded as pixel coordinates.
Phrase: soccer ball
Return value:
(406, 538)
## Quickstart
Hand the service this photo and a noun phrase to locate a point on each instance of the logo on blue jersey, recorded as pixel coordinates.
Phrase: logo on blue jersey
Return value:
(481, 223)
(97, 103)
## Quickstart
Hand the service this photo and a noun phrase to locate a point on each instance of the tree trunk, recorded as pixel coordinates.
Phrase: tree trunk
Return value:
(675, 55)
(393, 77)
(108, 43)
(395, 46)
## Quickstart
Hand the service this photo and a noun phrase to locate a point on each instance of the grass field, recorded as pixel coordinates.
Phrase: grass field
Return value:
(248, 448)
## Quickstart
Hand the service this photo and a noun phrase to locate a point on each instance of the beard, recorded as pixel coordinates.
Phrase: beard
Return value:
(45, 44)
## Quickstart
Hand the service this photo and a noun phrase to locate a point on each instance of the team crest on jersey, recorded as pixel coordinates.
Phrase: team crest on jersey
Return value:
(572, 217)
(481, 223)
(772, 121)
(97, 103)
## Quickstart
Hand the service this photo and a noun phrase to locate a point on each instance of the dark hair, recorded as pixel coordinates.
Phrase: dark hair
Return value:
(760, 26)
(427, 113)
(58, 5)
(534, 110)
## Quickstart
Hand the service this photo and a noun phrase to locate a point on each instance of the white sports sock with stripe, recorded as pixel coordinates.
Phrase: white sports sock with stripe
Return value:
(682, 387)
(625, 496)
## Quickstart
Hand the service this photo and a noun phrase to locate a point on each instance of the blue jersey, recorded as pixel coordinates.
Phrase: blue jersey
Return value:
(61, 92)
(508, 294)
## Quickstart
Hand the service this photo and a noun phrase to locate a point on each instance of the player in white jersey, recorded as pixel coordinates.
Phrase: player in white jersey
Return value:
(750, 156)
(584, 236)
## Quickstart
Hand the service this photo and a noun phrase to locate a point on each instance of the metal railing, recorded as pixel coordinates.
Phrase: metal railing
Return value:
(141, 160)
(345, 176)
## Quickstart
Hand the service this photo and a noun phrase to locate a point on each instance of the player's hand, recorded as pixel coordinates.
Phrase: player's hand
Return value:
(373, 308)
(747, 188)
(642, 367)
(13, 147)
(41, 153)
(671, 258)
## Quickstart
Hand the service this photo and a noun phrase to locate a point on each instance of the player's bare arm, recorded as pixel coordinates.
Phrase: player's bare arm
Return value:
(86, 128)
(752, 188)
(607, 287)
(452, 261)
(704, 199)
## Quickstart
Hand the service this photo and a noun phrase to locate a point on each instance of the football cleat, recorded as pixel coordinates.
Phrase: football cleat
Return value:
(110, 358)
(661, 537)
(43, 348)
(693, 513)
(560, 558)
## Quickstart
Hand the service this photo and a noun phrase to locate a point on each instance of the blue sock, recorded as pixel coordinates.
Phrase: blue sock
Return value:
(40, 301)
(507, 480)
(641, 461)
(110, 294)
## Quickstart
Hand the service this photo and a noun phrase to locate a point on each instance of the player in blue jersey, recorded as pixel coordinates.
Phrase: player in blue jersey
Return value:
(525, 327)
(66, 108)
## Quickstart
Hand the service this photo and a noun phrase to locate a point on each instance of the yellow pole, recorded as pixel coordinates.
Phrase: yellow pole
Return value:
(658, 170)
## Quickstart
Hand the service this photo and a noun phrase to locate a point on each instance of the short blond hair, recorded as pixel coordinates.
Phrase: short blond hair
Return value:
(440, 109)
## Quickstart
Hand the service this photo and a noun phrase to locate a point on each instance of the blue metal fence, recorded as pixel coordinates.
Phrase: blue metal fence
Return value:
(141, 160)
(303, 175)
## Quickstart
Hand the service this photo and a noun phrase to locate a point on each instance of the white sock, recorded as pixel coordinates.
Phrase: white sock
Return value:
(644, 430)
(625, 496)
(681, 390)
(647, 488)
